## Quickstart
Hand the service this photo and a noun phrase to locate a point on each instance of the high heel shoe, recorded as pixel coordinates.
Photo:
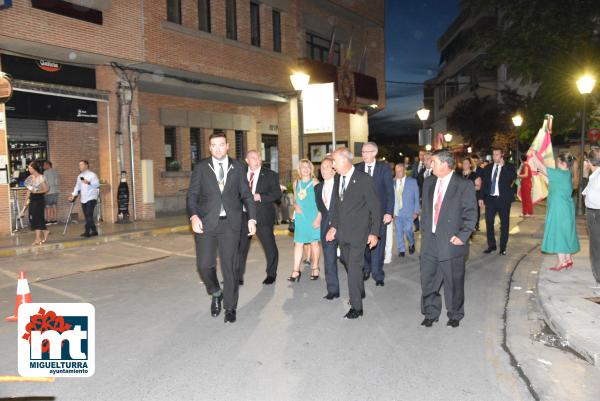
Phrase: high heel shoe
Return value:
(297, 278)
(560, 267)
(312, 277)
(569, 263)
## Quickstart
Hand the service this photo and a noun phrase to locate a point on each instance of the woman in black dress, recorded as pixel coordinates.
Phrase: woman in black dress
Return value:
(36, 184)
(469, 172)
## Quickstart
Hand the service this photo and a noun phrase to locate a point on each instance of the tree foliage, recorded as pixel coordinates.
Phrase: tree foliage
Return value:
(549, 43)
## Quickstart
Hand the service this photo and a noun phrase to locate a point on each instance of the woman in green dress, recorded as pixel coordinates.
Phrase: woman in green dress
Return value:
(307, 219)
(560, 235)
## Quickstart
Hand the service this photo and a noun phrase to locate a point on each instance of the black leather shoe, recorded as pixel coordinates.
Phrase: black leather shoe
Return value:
(379, 283)
(453, 323)
(353, 314)
(269, 280)
(428, 322)
(490, 250)
(215, 305)
(366, 276)
(241, 282)
(94, 234)
(86, 235)
(229, 316)
(411, 249)
(502, 252)
(331, 296)
(401, 254)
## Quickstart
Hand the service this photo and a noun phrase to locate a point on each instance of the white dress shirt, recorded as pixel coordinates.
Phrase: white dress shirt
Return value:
(592, 191)
(372, 165)
(255, 179)
(347, 179)
(443, 182)
(215, 165)
(427, 172)
(87, 192)
(496, 190)
(327, 192)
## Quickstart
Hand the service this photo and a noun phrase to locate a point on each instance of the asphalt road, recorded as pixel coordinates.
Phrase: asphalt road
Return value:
(156, 339)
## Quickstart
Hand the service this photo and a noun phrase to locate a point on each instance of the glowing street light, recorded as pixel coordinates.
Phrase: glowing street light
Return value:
(585, 85)
(423, 114)
(448, 137)
(300, 82)
(517, 120)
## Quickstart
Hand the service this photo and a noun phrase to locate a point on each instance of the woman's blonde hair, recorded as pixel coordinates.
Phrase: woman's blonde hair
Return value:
(312, 169)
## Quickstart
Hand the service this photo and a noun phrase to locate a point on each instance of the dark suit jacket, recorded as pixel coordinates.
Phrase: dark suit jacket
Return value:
(506, 182)
(270, 191)
(458, 216)
(325, 214)
(360, 213)
(415, 169)
(421, 179)
(384, 184)
(204, 198)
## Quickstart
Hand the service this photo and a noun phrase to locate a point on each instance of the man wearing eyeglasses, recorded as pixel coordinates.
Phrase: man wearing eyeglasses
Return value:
(384, 184)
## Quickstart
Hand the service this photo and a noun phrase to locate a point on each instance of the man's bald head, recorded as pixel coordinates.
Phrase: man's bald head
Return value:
(253, 160)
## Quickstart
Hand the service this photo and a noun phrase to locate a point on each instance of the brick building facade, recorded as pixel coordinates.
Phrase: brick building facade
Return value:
(167, 73)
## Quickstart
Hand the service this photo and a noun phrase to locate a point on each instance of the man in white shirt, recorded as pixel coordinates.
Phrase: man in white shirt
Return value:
(592, 204)
(87, 187)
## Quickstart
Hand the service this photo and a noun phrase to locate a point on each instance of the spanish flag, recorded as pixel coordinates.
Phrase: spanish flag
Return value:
(542, 149)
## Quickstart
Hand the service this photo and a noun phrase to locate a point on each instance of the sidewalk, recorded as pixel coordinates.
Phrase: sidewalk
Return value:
(567, 301)
(20, 242)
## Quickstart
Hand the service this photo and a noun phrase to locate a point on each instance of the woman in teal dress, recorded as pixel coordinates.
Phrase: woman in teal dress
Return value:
(307, 219)
(560, 235)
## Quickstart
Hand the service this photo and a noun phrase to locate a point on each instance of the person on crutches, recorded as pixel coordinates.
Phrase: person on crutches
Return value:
(87, 186)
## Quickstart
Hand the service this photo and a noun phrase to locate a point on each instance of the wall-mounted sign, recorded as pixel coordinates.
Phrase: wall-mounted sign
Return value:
(319, 108)
(6, 89)
(48, 66)
(54, 108)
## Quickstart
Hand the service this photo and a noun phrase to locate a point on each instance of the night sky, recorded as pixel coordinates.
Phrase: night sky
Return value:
(412, 28)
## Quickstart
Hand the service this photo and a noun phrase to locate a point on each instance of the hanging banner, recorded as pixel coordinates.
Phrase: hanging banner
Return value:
(319, 108)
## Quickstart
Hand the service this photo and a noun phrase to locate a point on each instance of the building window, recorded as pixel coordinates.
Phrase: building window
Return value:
(255, 24)
(269, 152)
(317, 48)
(240, 145)
(276, 31)
(195, 146)
(231, 19)
(204, 15)
(174, 11)
(171, 162)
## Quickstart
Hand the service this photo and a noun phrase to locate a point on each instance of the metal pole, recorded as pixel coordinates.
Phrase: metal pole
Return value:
(132, 164)
(580, 208)
(300, 128)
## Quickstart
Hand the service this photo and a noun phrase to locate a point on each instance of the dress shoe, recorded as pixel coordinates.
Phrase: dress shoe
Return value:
(353, 314)
(94, 234)
(401, 254)
(331, 295)
(86, 235)
(453, 323)
(379, 283)
(229, 315)
(366, 275)
(502, 252)
(269, 280)
(215, 305)
(428, 322)
(411, 249)
(241, 282)
(490, 250)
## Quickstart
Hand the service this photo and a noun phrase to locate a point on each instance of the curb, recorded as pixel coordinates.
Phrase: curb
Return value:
(53, 246)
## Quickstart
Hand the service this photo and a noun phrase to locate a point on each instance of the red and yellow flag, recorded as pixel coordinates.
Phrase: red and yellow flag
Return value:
(542, 149)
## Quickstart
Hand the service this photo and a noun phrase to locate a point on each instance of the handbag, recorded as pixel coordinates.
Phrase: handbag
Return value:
(291, 226)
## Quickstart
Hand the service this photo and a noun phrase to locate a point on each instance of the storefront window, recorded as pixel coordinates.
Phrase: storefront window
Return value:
(195, 145)
(171, 162)
(269, 152)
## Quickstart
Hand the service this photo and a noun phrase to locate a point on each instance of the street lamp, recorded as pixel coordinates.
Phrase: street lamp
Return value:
(300, 82)
(517, 122)
(423, 115)
(428, 147)
(585, 85)
(447, 139)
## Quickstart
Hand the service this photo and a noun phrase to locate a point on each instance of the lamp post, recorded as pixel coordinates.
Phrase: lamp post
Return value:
(517, 122)
(423, 115)
(447, 139)
(300, 82)
(585, 85)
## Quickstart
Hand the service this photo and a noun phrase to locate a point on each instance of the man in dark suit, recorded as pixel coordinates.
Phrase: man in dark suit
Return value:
(449, 213)
(425, 172)
(419, 165)
(382, 177)
(497, 194)
(324, 194)
(218, 188)
(356, 221)
(264, 184)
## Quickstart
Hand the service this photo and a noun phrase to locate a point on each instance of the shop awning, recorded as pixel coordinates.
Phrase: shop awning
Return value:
(60, 90)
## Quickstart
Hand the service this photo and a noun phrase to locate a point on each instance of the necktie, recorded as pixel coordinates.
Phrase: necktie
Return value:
(399, 192)
(369, 171)
(438, 203)
(343, 188)
(494, 180)
(221, 178)
(426, 173)
(251, 180)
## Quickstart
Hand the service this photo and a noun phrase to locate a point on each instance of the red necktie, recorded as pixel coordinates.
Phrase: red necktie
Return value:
(251, 180)
(438, 203)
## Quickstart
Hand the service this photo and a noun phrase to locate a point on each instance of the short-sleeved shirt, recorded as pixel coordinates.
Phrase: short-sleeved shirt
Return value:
(52, 180)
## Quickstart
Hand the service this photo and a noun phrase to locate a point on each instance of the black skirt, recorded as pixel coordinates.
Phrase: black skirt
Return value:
(37, 205)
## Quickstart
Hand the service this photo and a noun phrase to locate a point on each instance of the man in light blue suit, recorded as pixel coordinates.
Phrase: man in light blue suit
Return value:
(406, 208)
